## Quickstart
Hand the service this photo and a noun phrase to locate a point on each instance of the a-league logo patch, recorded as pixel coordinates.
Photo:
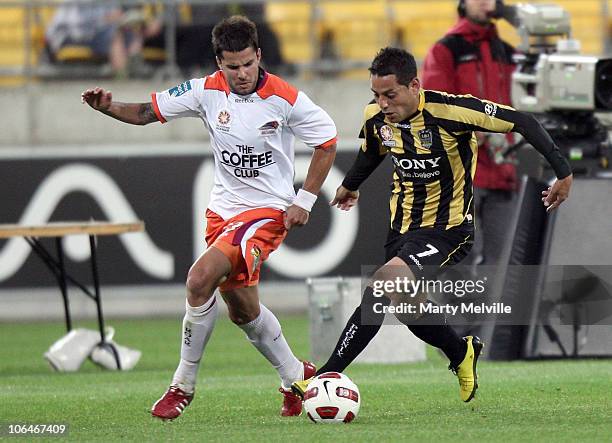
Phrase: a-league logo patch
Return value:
(181, 89)
(426, 137)
(386, 133)
(224, 117)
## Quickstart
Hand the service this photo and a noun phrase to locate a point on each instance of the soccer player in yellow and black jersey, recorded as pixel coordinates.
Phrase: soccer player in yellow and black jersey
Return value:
(430, 138)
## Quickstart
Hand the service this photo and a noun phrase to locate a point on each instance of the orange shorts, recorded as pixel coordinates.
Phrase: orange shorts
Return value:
(247, 240)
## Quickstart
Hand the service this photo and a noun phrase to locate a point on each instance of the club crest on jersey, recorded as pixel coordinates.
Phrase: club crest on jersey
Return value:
(386, 133)
(426, 137)
(179, 90)
(269, 128)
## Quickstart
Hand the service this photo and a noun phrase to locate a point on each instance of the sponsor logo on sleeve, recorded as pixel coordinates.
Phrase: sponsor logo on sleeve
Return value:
(491, 109)
(181, 89)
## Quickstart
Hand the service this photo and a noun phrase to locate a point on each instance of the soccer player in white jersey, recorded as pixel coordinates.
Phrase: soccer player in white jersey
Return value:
(252, 118)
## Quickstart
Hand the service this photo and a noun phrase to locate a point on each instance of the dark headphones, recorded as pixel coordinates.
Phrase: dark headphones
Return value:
(498, 13)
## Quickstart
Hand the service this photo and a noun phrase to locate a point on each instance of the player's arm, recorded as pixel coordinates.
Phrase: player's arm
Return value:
(320, 164)
(486, 116)
(132, 113)
(369, 157)
(527, 125)
(316, 129)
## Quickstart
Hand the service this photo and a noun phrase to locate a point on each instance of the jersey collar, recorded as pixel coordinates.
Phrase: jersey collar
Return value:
(218, 81)
(262, 80)
(419, 108)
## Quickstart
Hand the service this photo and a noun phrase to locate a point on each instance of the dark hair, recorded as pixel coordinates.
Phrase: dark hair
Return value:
(395, 61)
(497, 12)
(234, 34)
(461, 8)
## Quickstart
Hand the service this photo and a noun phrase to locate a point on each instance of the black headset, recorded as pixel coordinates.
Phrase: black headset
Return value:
(498, 13)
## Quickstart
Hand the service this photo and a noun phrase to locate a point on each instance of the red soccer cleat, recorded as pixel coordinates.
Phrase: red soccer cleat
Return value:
(172, 404)
(292, 404)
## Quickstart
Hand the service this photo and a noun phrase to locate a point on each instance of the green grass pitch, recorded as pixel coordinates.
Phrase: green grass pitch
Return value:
(237, 398)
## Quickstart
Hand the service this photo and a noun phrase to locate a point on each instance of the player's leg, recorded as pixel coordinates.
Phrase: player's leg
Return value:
(264, 331)
(426, 252)
(362, 326)
(365, 322)
(200, 317)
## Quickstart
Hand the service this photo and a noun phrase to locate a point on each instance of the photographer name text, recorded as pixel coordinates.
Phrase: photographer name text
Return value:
(428, 308)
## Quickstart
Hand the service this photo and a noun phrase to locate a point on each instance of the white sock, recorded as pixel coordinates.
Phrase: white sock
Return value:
(198, 325)
(266, 335)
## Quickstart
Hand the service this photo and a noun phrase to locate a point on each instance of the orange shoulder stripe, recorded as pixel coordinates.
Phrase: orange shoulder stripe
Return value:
(217, 81)
(277, 86)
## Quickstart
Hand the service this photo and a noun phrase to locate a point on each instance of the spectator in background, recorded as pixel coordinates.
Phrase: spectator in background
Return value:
(99, 27)
(472, 59)
(194, 27)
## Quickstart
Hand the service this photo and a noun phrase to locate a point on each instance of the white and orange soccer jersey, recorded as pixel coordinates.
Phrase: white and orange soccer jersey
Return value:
(252, 137)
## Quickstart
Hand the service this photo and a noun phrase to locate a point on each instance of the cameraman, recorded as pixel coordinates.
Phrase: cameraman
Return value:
(472, 59)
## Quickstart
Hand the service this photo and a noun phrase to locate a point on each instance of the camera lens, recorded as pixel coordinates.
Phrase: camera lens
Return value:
(603, 84)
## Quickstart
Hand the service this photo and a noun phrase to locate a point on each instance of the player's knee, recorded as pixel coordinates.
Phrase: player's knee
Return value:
(241, 317)
(200, 281)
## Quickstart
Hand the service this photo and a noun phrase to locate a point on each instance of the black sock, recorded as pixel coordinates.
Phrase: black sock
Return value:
(358, 332)
(433, 330)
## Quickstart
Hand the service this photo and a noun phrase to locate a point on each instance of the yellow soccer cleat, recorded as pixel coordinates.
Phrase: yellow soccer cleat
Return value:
(466, 371)
(299, 388)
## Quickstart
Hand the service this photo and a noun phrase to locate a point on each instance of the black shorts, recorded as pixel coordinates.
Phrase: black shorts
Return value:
(427, 250)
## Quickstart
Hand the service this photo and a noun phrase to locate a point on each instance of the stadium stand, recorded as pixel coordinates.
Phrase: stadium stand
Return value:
(292, 22)
(358, 28)
(416, 28)
(347, 32)
(14, 22)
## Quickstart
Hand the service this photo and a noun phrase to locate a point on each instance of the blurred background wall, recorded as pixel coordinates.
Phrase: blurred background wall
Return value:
(163, 173)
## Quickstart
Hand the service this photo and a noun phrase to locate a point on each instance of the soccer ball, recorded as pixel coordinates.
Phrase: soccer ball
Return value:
(332, 398)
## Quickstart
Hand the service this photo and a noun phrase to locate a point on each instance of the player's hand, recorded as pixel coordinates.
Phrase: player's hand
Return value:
(97, 98)
(557, 193)
(295, 216)
(344, 198)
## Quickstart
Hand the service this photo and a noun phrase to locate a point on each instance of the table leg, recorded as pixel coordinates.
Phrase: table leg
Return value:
(98, 299)
(61, 278)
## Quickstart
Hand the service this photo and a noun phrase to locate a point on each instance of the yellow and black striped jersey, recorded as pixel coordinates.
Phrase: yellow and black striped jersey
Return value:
(434, 155)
